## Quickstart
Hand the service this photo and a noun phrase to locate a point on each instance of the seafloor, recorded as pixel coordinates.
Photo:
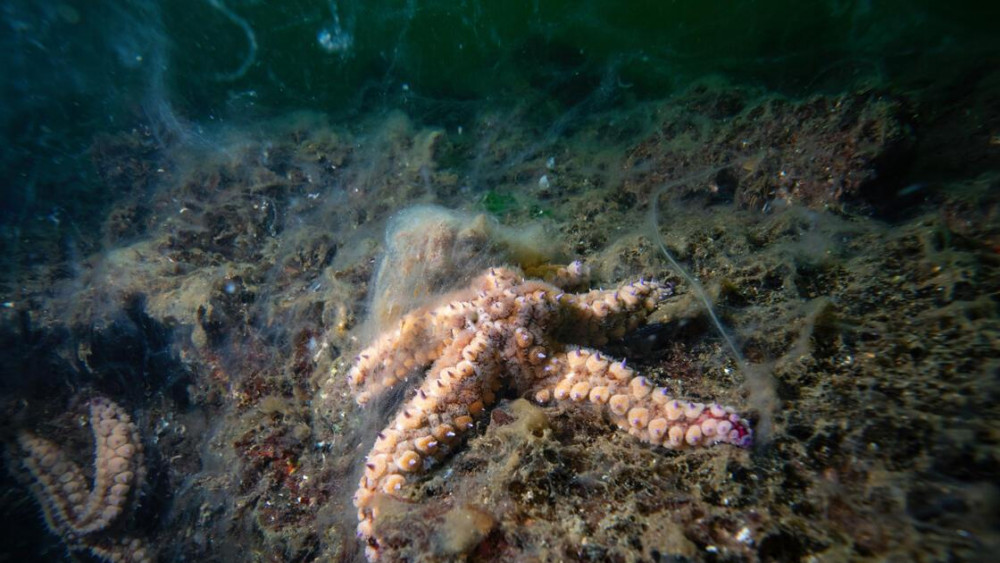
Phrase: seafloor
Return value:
(850, 244)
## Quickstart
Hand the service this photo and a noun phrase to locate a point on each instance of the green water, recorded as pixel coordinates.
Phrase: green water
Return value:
(564, 50)
(207, 56)
(77, 68)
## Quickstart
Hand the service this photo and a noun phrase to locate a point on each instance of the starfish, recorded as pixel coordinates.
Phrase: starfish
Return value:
(529, 336)
(85, 516)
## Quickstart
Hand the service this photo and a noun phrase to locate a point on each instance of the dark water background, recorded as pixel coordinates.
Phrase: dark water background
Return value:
(73, 69)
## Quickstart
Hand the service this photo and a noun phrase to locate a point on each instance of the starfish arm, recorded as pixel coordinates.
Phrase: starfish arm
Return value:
(597, 317)
(430, 424)
(504, 329)
(633, 404)
(59, 484)
(117, 454)
(406, 352)
(71, 510)
(124, 550)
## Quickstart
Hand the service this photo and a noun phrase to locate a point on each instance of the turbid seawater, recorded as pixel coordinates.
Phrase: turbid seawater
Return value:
(516, 281)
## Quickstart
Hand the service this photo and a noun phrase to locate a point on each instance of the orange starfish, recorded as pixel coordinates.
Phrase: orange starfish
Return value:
(527, 335)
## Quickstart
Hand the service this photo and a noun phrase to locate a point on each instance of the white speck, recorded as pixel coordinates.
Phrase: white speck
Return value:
(334, 38)
(743, 536)
(543, 182)
(550, 163)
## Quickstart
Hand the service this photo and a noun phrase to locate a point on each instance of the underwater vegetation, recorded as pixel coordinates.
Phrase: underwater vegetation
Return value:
(438, 281)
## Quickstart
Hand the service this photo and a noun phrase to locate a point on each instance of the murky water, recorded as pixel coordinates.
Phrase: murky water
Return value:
(246, 265)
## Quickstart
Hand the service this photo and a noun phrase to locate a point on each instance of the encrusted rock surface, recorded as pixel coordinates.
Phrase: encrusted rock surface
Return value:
(228, 305)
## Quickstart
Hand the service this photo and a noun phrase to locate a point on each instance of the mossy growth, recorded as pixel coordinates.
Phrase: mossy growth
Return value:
(498, 203)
